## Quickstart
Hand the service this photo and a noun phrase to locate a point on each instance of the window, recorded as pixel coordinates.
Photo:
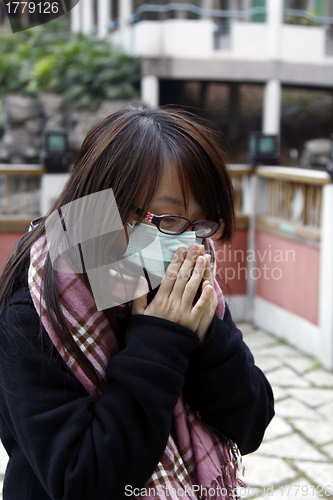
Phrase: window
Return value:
(258, 17)
(306, 12)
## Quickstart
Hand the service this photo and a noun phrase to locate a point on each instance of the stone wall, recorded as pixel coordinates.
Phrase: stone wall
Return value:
(25, 119)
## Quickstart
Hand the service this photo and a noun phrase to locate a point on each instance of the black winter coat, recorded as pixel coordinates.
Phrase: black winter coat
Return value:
(65, 446)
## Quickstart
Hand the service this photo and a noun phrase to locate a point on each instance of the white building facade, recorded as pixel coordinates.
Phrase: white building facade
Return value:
(272, 42)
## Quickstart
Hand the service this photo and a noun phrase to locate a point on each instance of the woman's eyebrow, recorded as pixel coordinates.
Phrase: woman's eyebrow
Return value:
(171, 199)
(175, 201)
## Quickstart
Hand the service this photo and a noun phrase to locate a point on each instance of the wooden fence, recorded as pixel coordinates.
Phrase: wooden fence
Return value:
(19, 196)
(294, 201)
(294, 198)
(237, 174)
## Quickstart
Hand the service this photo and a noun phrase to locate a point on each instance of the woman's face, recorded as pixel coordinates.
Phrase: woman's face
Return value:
(169, 200)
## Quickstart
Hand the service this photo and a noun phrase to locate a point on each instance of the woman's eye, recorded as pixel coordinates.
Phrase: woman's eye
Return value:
(169, 220)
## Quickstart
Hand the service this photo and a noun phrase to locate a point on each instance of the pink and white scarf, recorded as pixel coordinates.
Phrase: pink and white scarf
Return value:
(199, 463)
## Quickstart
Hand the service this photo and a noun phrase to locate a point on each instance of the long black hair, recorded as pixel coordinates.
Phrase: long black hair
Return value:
(127, 151)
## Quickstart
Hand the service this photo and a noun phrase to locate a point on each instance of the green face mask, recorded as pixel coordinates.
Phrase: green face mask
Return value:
(153, 250)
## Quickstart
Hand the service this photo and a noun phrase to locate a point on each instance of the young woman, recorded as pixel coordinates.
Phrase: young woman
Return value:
(148, 398)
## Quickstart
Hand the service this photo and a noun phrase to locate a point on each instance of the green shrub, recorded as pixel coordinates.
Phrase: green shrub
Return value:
(84, 69)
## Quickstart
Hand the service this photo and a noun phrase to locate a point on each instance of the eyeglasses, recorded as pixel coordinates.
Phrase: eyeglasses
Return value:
(174, 224)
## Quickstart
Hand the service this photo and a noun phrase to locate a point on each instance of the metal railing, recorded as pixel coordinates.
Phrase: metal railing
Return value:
(196, 11)
(293, 15)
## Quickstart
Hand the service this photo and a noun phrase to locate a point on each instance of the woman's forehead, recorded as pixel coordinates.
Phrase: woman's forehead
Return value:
(169, 196)
(169, 188)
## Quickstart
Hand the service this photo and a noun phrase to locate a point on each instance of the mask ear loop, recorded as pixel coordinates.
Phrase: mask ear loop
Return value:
(128, 233)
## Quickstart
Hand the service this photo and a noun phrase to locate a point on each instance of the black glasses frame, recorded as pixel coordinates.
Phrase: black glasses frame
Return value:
(156, 220)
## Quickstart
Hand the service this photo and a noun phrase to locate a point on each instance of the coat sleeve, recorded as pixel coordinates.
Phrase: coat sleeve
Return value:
(226, 387)
(77, 447)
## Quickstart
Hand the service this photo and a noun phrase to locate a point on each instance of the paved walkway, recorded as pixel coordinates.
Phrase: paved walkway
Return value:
(295, 459)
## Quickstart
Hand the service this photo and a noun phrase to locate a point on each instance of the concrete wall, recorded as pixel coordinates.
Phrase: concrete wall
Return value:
(282, 283)
(231, 263)
(288, 275)
(304, 44)
(285, 273)
(184, 49)
(298, 304)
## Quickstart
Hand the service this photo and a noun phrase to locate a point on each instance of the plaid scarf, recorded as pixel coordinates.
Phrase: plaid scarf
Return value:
(198, 463)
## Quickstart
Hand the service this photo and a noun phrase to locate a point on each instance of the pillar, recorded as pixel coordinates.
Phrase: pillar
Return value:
(181, 14)
(150, 90)
(125, 12)
(233, 5)
(103, 16)
(88, 16)
(51, 187)
(272, 93)
(206, 5)
(274, 27)
(272, 107)
(326, 279)
(328, 9)
(247, 6)
(255, 202)
(312, 6)
(76, 17)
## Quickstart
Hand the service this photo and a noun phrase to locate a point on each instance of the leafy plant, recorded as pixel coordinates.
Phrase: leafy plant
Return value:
(84, 69)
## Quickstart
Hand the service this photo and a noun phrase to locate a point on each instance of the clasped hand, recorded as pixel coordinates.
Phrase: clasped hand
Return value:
(175, 296)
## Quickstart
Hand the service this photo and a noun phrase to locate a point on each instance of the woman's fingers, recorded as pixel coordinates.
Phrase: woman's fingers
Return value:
(171, 273)
(204, 313)
(204, 284)
(208, 275)
(185, 272)
(193, 284)
(179, 287)
(200, 308)
(204, 309)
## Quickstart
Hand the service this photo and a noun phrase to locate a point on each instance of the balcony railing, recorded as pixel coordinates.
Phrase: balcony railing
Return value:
(238, 174)
(195, 11)
(293, 198)
(19, 196)
(293, 202)
(306, 18)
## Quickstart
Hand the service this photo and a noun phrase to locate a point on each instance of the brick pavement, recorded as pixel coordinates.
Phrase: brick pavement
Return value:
(295, 459)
